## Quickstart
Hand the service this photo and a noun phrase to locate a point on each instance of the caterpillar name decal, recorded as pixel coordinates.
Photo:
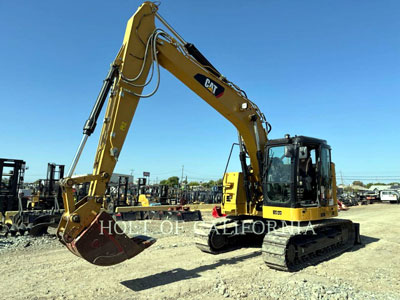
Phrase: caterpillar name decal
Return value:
(214, 88)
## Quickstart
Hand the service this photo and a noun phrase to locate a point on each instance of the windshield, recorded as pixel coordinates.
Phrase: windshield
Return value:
(278, 175)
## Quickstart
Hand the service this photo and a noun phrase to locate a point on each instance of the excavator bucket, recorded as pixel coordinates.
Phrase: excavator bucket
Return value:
(103, 243)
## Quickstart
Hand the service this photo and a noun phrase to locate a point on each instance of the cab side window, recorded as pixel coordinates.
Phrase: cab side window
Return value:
(325, 171)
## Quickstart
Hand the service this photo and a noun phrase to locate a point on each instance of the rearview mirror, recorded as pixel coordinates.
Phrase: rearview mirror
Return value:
(303, 152)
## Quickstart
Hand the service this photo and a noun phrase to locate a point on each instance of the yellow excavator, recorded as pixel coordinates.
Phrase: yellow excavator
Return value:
(285, 194)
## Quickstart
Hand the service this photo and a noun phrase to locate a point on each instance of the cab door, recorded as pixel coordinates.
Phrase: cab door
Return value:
(325, 193)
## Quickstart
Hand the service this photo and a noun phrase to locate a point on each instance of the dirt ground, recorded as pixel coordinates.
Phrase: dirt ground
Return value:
(174, 268)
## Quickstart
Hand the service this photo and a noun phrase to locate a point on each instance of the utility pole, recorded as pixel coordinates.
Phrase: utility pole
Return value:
(180, 185)
(341, 178)
(182, 175)
(133, 177)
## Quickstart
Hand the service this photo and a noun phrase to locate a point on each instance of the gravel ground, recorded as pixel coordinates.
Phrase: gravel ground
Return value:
(173, 268)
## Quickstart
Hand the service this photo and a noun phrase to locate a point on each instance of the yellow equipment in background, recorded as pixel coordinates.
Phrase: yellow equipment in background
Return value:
(143, 200)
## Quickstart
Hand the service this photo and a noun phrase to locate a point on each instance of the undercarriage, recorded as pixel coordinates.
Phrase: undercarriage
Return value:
(286, 246)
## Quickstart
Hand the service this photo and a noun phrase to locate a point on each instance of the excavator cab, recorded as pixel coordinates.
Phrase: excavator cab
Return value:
(298, 177)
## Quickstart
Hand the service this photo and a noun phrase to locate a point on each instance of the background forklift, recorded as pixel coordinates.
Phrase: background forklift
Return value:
(44, 206)
(12, 173)
(48, 194)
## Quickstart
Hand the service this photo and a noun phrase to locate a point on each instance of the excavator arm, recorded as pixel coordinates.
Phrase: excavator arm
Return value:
(84, 228)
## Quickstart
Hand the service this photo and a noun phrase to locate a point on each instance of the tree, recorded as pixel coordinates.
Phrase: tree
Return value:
(194, 183)
(174, 180)
(212, 183)
(368, 185)
(357, 182)
(208, 184)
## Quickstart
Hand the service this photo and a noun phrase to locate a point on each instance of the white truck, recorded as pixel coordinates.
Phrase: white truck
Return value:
(390, 196)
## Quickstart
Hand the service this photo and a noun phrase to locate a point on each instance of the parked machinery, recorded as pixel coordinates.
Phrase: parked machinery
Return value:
(117, 194)
(48, 194)
(11, 181)
(203, 195)
(159, 194)
(33, 214)
(156, 194)
(348, 199)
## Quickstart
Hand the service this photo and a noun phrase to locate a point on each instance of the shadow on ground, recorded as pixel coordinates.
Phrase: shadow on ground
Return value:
(179, 274)
(365, 240)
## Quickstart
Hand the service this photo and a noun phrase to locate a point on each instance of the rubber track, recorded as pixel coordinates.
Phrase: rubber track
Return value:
(203, 231)
(276, 242)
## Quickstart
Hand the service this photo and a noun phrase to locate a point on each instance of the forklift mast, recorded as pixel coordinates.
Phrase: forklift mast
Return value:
(12, 173)
(123, 182)
(54, 174)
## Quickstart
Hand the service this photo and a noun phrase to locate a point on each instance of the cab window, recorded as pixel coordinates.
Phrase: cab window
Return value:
(325, 171)
(278, 176)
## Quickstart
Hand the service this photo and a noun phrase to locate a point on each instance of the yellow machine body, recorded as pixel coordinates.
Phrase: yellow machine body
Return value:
(233, 198)
(299, 214)
(143, 200)
(8, 218)
(144, 45)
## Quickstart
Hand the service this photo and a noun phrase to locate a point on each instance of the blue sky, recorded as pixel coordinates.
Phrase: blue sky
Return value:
(328, 69)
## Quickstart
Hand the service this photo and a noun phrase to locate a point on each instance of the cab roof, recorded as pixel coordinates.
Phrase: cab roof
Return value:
(302, 140)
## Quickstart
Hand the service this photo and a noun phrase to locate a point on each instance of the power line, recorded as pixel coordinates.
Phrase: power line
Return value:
(166, 173)
(370, 176)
